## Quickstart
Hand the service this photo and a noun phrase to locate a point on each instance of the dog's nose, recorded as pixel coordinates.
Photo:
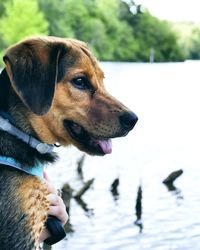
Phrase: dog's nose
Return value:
(128, 120)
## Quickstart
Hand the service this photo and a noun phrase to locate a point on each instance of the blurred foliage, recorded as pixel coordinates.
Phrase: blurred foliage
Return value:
(95, 22)
(189, 38)
(194, 49)
(153, 35)
(20, 19)
(115, 30)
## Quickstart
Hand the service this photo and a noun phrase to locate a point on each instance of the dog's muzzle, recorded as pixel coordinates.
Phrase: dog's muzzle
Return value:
(99, 145)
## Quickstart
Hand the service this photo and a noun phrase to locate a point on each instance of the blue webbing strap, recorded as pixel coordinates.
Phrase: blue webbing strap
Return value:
(11, 162)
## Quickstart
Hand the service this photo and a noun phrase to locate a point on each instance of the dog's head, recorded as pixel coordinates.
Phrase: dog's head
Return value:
(61, 84)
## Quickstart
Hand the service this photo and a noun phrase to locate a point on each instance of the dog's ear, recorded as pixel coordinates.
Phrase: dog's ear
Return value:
(33, 68)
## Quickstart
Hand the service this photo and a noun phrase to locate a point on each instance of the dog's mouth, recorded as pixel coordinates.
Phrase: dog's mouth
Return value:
(88, 143)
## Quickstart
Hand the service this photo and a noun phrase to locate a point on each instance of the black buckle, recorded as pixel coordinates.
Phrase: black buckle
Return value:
(56, 230)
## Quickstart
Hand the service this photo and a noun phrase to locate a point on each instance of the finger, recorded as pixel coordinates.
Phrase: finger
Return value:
(55, 200)
(59, 212)
(51, 189)
(45, 175)
(44, 235)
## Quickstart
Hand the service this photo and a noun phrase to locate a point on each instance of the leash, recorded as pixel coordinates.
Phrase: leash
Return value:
(52, 224)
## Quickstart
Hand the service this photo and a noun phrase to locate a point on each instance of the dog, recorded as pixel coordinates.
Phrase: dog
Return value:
(52, 91)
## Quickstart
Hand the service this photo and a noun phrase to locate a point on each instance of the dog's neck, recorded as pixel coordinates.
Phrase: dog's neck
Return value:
(9, 144)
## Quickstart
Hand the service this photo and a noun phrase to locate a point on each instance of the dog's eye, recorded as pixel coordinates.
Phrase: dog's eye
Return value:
(81, 83)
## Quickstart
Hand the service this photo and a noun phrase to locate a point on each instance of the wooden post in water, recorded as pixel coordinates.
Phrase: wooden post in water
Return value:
(138, 206)
(138, 209)
(151, 55)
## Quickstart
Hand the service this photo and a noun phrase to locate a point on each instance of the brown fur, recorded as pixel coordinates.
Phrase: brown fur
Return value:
(41, 99)
(33, 194)
(94, 114)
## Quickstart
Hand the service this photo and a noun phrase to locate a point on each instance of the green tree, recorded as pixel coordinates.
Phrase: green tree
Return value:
(21, 18)
(95, 22)
(58, 15)
(2, 10)
(157, 34)
(152, 35)
(115, 30)
(122, 44)
(194, 45)
(188, 38)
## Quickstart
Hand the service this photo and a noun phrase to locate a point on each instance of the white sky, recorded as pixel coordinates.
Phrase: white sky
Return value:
(174, 10)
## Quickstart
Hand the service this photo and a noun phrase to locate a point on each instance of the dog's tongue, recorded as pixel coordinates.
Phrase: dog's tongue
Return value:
(106, 145)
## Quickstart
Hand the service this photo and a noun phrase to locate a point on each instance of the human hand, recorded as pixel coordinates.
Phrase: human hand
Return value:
(57, 207)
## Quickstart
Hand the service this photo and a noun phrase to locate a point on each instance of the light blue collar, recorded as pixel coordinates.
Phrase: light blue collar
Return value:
(11, 162)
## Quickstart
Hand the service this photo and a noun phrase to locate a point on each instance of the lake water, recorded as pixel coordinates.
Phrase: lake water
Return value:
(166, 98)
